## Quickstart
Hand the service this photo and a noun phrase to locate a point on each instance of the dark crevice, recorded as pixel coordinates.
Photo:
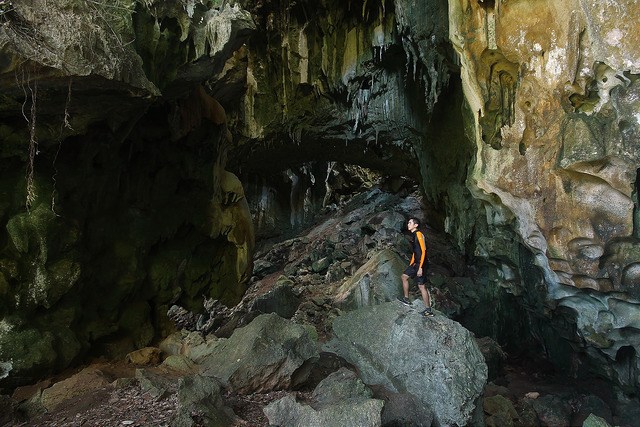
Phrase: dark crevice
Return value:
(626, 364)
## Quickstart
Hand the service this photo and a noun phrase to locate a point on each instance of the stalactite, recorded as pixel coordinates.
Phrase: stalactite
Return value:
(360, 105)
(499, 110)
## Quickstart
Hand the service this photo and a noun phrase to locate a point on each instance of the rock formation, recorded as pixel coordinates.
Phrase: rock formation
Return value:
(553, 92)
(125, 206)
(438, 363)
(140, 142)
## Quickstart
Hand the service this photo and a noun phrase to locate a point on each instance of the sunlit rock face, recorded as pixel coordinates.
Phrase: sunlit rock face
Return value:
(115, 200)
(555, 97)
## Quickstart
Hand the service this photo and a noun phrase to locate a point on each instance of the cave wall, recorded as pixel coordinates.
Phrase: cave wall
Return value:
(116, 201)
(553, 90)
(524, 141)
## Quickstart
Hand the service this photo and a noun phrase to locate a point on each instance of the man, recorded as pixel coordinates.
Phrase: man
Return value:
(416, 268)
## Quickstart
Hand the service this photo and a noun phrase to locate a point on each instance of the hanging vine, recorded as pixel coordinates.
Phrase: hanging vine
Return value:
(31, 122)
(33, 146)
(64, 125)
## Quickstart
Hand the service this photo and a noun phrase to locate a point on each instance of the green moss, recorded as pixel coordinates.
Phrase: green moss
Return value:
(311, 331)
(284, 281)
(29, 350)
(597, 339)
(61, 277)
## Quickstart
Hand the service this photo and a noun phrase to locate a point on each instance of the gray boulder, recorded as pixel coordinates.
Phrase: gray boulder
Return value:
(339, 387)
(403, 410)
(200, 402)
(553, 410)
(595, 421)
(436, 359)
(585, 405)
(341, 399)
(267, 354)
(377, 281)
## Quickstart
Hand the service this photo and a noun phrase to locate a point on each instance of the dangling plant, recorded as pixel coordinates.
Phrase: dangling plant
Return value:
(33, 146)
(33, 141)
(65, 125)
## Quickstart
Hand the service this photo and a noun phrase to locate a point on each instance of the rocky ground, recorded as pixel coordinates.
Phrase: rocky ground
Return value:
(299, 278)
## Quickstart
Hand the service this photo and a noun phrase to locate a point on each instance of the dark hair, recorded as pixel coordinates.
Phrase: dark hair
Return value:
(415, 220)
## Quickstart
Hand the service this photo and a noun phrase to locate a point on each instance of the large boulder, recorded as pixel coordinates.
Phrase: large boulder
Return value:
(436, 359)
(341, 399)
(269, 353)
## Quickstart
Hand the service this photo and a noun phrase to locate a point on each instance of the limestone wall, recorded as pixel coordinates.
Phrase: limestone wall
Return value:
(554, 91)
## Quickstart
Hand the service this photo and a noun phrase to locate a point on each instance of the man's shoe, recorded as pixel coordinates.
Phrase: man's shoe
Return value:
(404, 300)
(427, 313)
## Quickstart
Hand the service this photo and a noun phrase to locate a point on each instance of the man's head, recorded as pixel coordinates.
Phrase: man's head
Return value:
(413, 224)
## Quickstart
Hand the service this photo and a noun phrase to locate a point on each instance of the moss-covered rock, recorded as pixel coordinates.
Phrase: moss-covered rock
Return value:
(28, 350)
(118, 223)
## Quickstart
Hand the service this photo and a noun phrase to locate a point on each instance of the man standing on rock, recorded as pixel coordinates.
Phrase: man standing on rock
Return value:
(417, 268)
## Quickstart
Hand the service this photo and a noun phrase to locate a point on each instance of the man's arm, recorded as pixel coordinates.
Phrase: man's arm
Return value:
(423, 248)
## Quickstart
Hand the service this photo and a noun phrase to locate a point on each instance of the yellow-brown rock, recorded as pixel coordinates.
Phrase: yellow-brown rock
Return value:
(555, 93)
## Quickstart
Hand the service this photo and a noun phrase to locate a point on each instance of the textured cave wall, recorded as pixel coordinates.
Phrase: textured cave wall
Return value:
(553, 89)
(353, 83)
(115, 198)
(530, 159)
(111, 220)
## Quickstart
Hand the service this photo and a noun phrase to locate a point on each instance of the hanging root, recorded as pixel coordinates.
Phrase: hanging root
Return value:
(65, 125)
(33, 146)
(31, 121)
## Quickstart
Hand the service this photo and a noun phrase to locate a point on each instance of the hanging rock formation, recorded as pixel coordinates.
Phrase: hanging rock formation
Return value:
(553, 94)
(121, 123)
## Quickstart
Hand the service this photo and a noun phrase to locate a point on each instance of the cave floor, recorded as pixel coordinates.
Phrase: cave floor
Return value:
(132, 406)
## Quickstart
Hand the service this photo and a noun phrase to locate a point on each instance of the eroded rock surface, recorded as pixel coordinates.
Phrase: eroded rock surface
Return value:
(129, 119)
(340, 399)
(268, 354)
(436, 359)
(554, 92)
